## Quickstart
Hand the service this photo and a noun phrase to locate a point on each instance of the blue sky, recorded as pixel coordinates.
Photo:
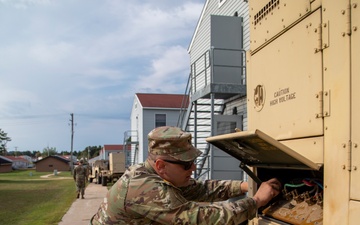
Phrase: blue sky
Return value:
(87, 57)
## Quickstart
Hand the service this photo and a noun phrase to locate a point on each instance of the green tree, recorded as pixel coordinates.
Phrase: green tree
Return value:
(49, 151)
(90, 152)
(37, 154)
(34, 153)
(3, 140)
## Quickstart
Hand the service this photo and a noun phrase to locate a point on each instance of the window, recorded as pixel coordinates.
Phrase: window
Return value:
(160, 120)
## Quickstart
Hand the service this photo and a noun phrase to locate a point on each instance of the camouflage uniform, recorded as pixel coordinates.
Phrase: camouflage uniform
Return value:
(141, 196)
(80, 176)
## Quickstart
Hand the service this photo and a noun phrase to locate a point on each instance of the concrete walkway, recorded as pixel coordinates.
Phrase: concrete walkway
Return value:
(82, 210)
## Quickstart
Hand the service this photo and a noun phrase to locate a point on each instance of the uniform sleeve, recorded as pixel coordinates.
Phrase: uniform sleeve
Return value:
(144, 198)
(166, 205)
(200, 212)
(212, 190)
(74, 175)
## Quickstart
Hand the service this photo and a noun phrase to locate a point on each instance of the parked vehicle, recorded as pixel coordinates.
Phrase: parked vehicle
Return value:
(105, 171)
(95, 170)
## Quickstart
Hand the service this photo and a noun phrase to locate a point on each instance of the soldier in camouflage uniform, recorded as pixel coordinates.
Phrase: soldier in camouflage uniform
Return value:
(80, 176)
(161, 190)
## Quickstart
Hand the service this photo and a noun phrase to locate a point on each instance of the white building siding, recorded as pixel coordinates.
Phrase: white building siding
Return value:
(240, 105)
(143, 121)
(201, 40)
(136, 120)
(148, 119)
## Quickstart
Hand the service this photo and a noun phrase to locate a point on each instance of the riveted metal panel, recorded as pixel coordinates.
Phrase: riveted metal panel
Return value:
(285, 84)
(355, 102)
(271, 17)
(337, 147)
(354, 211)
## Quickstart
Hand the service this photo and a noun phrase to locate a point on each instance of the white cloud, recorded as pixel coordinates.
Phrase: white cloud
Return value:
(169, 72)
(87, 57)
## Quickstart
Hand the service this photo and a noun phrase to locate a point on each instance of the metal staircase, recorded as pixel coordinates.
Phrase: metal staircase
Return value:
(131, 141)
(206, 96)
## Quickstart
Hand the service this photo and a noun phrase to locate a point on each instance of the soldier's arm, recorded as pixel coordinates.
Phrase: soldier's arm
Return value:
(165, 204)
(74, 175)
(214, 190)
(200, 212)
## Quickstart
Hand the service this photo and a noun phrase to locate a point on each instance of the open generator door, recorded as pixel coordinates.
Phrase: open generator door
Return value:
(255, 148)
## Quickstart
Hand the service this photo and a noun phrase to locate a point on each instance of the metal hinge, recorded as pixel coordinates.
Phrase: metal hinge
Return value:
(319, 96)
(348, 20)
(325, 35)
(318, 30)
(324, 102)
(349, 156)
(322, 31)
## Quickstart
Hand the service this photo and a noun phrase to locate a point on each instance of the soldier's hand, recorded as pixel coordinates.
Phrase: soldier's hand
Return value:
(267, 191)
(244, 187)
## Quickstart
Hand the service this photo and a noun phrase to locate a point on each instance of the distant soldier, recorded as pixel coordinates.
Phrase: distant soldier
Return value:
(80, 176)
(161, 190)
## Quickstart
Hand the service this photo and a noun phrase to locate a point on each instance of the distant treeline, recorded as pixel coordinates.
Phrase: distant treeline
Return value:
(88, 152)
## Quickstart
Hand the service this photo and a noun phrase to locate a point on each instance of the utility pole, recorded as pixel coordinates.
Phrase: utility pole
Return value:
(72, 142)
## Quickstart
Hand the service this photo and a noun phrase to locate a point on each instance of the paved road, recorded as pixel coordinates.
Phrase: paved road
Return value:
(82, 210)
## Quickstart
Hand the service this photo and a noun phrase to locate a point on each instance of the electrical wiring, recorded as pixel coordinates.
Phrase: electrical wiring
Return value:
(294, 185)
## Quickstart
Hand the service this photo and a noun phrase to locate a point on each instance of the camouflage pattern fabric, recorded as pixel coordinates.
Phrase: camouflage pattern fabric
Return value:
(172, 141)
(80, 176)
(140, 196)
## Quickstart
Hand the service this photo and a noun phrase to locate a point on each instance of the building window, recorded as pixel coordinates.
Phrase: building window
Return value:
(160, 120)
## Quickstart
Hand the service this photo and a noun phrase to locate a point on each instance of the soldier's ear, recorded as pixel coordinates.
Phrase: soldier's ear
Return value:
(160, 165)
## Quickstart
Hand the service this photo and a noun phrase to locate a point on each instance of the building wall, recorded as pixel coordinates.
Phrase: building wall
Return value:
(20, 164)
(201, 41)
(240, 105)
(148, 119)
(5, 168)
(51, 164)
(137, 127)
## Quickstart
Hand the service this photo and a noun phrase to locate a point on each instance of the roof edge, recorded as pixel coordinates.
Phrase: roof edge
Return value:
(197, 26)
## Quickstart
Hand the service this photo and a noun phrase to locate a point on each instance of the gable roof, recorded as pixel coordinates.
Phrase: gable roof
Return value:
(15, 158)
(4, 160)
(55, 157)
(161, 100)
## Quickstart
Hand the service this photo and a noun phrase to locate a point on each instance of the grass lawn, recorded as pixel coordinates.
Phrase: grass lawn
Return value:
(28, 199)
